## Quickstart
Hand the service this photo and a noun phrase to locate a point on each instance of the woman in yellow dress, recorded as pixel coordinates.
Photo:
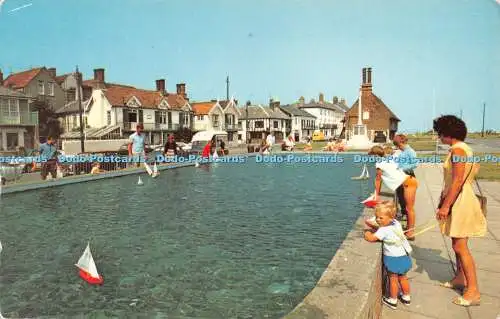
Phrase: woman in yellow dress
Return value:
(459, 210)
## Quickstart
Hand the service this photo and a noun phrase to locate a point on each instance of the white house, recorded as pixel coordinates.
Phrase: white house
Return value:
(232, 115)
(208, 116)
(114, 110)
(329, 115)
(303, 123)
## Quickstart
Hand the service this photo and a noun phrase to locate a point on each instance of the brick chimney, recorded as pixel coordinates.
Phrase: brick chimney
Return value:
(274, 104)
(366, 85)
(181, 90)
(160, 86)
(52, 72)
(1, 78)
(99, 75)
(321, 98)
(335, 100)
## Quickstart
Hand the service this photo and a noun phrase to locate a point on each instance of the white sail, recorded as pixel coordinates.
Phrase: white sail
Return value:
(139, 182)
(148, 168)
(367, 175)
(59, 172)
(86, 263)
(155, 169)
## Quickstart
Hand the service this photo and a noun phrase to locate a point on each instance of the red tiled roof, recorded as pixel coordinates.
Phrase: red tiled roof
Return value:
(119, 95)
(371, 103)
(60, 78)
(202, 108)
(21, 79)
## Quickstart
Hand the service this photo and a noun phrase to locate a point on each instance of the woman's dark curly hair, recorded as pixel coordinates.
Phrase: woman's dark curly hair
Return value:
(450, 126)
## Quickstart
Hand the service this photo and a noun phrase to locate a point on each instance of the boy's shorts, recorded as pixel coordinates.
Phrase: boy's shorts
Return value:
(397, 265)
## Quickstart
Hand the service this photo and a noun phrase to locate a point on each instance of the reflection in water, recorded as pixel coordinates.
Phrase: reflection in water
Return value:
(232, 241)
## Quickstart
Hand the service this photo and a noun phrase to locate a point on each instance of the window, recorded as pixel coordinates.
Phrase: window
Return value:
(12, 141)
(132, 116)
(41, 88)
(259, 124)
(9, 108)
(108, 113)
(51, 88)
(276, 124)
(200, 117)
(366, 115)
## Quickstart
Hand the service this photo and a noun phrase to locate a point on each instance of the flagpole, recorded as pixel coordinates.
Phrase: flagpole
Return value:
(79, 101)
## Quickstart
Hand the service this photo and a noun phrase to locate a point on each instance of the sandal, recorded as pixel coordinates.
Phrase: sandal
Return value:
(449, 285)
(460, 301)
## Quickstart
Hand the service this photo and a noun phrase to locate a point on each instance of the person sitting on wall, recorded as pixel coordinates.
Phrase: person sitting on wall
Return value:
(340, 146)
(96, 169)
(308, 146)
(289, 145)
(330, 147)
(264, 147)
(222, 146)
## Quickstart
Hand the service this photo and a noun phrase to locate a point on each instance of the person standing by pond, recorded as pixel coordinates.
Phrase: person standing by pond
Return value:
(389, 173)
(407, 162)
(170, 146)
(459, 208)
(136, 145)
(48, 155)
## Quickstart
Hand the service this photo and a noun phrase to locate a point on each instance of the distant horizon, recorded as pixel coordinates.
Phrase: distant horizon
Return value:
(276, 50)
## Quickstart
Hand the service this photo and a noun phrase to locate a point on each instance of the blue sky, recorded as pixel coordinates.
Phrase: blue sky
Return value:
(281, 48)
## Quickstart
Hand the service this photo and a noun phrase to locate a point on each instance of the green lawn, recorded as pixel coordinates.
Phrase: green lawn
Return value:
(489, 170)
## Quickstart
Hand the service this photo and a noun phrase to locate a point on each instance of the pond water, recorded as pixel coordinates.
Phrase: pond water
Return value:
(226, 241)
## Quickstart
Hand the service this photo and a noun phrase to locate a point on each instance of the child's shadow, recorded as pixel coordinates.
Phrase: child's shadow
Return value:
(437, 267)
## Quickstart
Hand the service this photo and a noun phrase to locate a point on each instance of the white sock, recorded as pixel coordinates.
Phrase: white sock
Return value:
(406, 297)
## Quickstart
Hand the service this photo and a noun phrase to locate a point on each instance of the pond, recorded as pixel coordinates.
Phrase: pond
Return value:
(225, 241)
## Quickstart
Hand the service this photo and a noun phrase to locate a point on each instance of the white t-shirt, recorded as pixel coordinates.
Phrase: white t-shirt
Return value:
(270, 140)
(395, 242)
(392, 176)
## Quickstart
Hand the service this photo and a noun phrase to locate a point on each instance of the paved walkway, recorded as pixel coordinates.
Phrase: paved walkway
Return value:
(434, 262)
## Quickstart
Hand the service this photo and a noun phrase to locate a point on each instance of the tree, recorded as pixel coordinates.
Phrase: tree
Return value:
(48, 122)
(183, 134)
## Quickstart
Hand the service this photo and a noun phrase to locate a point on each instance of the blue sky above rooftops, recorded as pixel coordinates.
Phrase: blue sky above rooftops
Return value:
(275, 48)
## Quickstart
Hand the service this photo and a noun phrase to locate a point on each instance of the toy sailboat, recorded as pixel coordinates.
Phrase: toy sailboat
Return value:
(155, 171)
(370, 201)
(139, 182)
(88, 270)
(364, 174)
(148, 168)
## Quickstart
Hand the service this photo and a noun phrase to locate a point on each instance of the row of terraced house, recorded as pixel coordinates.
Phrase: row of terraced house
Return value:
(112, 111)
